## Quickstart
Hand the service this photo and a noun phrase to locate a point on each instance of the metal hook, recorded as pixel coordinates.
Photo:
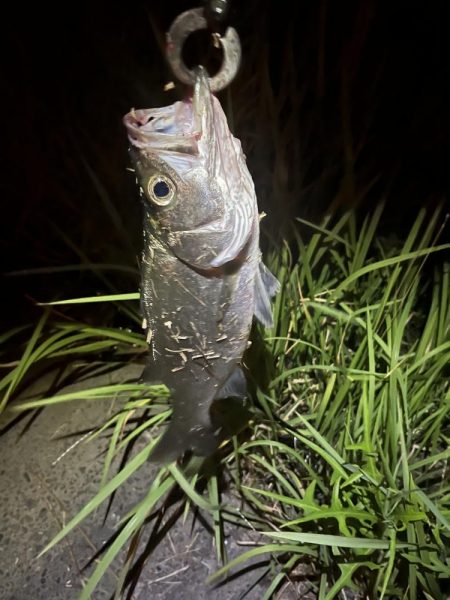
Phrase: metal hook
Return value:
(181, 28)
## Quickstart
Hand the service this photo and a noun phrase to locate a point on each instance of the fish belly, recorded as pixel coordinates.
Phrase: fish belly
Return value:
(199, 332)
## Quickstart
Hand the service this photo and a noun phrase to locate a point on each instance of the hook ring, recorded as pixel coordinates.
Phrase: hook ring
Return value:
(185, 24)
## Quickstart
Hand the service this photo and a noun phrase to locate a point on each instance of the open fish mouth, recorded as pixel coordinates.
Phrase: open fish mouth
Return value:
(180, 127)
(169, 128)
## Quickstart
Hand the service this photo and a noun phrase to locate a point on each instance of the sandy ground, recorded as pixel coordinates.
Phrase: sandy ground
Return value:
(45, 478)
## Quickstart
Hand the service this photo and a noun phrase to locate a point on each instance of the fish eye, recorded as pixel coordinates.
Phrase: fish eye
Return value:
(161, 190)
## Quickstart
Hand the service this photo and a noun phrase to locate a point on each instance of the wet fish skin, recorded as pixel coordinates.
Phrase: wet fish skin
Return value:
(202, 278)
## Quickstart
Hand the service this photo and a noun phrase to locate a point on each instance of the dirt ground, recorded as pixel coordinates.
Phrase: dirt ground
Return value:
(47, 475)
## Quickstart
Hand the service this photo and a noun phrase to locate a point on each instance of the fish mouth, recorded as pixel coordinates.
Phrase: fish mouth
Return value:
(180, 127)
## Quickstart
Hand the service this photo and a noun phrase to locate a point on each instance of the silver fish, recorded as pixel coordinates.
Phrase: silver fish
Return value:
(202, 275)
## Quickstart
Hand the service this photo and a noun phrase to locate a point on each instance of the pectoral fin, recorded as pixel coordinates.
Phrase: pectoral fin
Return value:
(266, 286)
(270, 282)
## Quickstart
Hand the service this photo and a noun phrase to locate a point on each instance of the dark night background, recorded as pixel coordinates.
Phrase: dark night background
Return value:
(342, 102)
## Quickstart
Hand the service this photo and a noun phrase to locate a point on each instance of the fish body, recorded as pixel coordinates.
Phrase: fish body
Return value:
(202, 275)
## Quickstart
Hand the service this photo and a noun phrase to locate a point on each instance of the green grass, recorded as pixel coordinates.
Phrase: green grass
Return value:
(343, 468)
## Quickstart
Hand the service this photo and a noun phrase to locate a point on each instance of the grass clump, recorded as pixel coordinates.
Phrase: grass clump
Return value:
(350, 462)
(343, 470)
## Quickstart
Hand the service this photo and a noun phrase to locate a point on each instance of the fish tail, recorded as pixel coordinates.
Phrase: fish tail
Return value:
(179, 438)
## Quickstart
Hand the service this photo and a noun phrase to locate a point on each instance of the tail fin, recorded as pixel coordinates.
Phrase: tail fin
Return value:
(178, 438)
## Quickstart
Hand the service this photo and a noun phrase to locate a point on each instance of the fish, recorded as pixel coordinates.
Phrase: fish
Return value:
(202, 275)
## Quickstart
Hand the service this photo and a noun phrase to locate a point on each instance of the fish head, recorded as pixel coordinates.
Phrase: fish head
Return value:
(192, 171)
